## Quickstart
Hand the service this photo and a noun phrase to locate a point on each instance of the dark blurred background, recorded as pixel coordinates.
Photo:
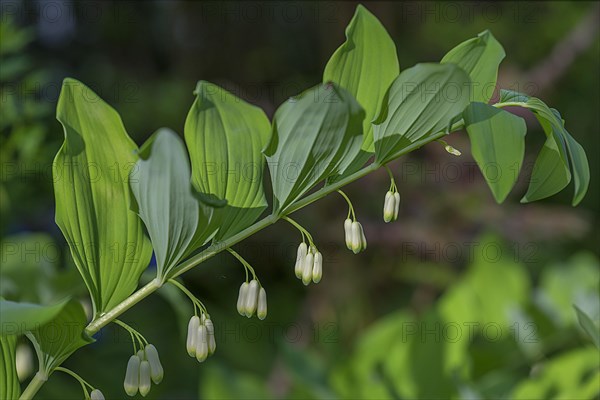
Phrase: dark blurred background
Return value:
(392, 322)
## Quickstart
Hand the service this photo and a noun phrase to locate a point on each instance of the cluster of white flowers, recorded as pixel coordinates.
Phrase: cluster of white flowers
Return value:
(391, 206)
(252, 298)
(309, 264)
(143, 368)
(201, 337)
(355, 236)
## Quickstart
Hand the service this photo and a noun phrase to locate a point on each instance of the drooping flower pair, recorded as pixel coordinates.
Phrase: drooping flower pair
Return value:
(309, 264)
(391, 206)
(143, 368)
(201, 341)
(355, 236)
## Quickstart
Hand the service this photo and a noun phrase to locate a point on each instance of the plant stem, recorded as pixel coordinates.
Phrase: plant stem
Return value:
(216, 248)
(33, 387)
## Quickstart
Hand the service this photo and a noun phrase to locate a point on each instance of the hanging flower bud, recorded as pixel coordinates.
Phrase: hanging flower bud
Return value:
(210, 331)
(317, 271)
(241, 302)
(192, 335)
(357, 237)
(141, 354)
(452, 150)
(307, 269)
(396, 205)
(348, 233)
(202, 344)
(252, 298)
(302, 251)
(156, 369)
(261, 311)
(363, 238)
(132, 376)
(145, 378)
(96, 395)
(389, 206)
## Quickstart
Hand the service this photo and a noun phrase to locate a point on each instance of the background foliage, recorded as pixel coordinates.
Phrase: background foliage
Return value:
(473, 296)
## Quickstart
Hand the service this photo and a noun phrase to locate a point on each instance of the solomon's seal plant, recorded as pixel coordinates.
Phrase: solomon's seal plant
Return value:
(116, 203)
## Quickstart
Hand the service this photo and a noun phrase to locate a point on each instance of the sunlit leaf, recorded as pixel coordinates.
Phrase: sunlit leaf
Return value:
(422, 101)
(497, 144)
(480, 57)
(365, 65)
(592, 329)
(225, 136)
(314, 136)
(56, 340)
(17, 318)
(91, 172)
(165, 201)
(9, 386)
(569, 375)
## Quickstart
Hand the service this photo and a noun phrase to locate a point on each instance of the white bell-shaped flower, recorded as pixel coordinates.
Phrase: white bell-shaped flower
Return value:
(317, 271)
(452, 150)
(156, 368)
(131, 384)
(192, 335)
(251, 298)
(396, 205)
(348, 233)
(202, 343)
(241, 302)
(307, 268)
(261, 311)
(145, 383)
(302, 251)
(96, 395)
(210, 331)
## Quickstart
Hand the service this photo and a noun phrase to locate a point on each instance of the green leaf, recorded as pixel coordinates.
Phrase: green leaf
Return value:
(55, 341)
(217, 381)
(165, 201)
(10, 388)
(588, 326)
(225, 136)
(314, 137)
(480, 58)
(551, 172)
(421, 102)
(497, 144)
(365, 65)
(572, 374)
(17, 318)
(91, 172)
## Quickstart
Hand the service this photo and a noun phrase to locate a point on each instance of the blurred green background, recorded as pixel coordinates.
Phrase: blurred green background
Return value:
(461, 298)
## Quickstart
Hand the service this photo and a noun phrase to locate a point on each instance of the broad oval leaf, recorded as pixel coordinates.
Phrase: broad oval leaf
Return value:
(165, 201)
(9, 381)
(588, 325)
(422, 101)
(314, 135)
(497, 144)
(365, 65)
(480, 57)
(91, 172)
(560, 157)
(17, 318)
(225, 136)
(56, 340)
